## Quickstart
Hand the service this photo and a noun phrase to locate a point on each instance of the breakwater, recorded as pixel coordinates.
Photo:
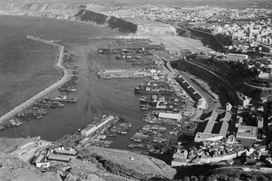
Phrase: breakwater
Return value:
(38, 96)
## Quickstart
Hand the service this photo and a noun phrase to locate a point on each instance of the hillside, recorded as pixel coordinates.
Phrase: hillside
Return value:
(92, 163)
(130, 164)
(12, 169)
(101, 19)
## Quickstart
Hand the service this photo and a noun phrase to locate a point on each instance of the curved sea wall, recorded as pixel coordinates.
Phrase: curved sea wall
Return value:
(108, 21)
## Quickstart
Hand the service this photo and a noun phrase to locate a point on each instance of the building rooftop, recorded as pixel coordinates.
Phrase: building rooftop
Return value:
(213, 116)
(209, 126)
(207, 137)
(66, 152)
(56, 157)
(247, 132)
(224, 128)
(175, 116)
(227, 117)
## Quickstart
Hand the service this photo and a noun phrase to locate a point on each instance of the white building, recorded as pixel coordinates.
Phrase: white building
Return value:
(91, 128)
(202, 103)
(174, 116)
(236, 57)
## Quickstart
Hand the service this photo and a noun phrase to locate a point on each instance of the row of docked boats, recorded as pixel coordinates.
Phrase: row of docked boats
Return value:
(62, 98)
(12, 122)
(42, 108)
(158, 96)
(158, 103)
(154, 87)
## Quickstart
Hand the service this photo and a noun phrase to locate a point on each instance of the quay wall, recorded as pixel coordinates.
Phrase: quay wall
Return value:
(41, 94)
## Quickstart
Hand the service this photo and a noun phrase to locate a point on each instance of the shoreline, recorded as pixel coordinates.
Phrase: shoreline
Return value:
(64, 77)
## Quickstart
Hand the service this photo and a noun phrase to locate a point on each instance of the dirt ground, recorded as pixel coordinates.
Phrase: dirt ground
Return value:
(142, 164)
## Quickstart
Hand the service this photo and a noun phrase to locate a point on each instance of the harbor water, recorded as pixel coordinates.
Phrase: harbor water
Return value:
(96, 97)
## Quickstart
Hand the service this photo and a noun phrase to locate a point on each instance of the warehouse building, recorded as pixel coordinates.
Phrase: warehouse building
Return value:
(201, 101)
(91, 128)
(215, 128)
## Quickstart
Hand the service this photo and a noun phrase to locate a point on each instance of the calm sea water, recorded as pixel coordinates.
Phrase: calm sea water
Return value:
(96, 96)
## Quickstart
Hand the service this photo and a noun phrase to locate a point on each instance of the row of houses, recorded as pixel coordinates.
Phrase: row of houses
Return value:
(201, 101)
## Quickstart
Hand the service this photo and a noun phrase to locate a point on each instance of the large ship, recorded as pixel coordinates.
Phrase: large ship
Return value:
(160, 88)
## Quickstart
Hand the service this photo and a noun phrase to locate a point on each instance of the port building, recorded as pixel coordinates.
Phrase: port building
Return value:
(65, 152)
(173, 116)
(179, 157)
(247, 135)
(214, 127)
(201, 101)
(91, 128)
(236, 57)
(61, 158)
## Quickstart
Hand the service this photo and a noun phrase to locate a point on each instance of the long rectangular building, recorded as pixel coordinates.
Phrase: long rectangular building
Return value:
(193, 93)
(91, 128)
(209, 126)
(214, 129)
(61, 158)
(66, 152)
(224, 128)
(212, 117)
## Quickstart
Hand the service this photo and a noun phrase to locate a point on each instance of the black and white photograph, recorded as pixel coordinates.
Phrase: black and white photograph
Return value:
(135, 90)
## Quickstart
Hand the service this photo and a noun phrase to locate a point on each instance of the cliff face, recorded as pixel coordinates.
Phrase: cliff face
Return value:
(85, 15)
(73, 11)
(101, 19)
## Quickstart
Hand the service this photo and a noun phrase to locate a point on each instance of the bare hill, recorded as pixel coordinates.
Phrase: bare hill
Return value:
(12, 169)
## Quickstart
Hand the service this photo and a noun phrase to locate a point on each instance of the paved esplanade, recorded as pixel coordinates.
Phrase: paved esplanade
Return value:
(41, 94)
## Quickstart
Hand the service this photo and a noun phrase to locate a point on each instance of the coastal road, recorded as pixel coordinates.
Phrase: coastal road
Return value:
(41, 94)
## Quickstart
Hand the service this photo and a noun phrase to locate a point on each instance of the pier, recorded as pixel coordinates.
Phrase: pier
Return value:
(32, 100)
(124, 73)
